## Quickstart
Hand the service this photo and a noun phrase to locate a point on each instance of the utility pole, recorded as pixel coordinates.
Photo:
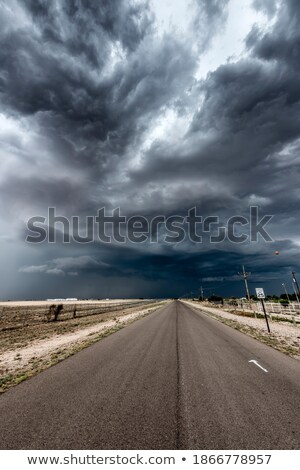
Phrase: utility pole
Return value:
(245, 276)
(295, 290)
(296, 282)
(286, 292)
(202, 296)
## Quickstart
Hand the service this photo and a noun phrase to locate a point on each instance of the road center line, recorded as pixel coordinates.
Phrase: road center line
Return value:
(258, 365)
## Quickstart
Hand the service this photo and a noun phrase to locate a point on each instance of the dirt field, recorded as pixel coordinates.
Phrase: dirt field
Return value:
(41, 303)
(15, 315)
(30, 341)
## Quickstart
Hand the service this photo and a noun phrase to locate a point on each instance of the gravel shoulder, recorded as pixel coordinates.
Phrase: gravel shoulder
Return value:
(284, 336)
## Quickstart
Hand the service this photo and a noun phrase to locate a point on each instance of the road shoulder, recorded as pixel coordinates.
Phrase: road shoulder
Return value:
(284, 337)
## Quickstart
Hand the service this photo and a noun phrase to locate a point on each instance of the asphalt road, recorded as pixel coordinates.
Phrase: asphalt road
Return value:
(176, 379)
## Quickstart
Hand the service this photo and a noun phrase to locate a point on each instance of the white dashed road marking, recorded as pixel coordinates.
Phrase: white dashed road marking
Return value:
(258, 365)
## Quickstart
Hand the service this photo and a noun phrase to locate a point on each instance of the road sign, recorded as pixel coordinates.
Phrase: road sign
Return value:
(260, 293)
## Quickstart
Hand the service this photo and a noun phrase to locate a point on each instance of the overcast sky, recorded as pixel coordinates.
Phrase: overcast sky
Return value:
(154, 107)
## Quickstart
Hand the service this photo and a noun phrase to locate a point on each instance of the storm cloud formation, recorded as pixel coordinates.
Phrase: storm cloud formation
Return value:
(101, 107)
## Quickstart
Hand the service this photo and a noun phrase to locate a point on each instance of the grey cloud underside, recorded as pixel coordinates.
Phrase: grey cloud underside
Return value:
(268, 7)
(209, 17)
(216, 270)
(91, 79)
(90, 116)
(250, 112)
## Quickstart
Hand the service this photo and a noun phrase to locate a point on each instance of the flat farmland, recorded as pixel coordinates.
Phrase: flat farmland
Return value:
(14, 315)
(32, 338)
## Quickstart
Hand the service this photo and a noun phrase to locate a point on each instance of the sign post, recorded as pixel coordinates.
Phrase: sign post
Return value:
(261, 295)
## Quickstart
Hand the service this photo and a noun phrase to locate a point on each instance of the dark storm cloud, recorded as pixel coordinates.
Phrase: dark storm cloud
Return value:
(245, 136)
(67, 23)
(215, 269)
(89, 112)
(250, 110)
(282, 44)
(87, 82)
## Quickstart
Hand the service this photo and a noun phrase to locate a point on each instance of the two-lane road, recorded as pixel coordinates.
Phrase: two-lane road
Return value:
(176, 379)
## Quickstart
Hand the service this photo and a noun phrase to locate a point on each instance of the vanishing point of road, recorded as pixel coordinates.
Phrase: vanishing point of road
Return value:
(177, 379)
